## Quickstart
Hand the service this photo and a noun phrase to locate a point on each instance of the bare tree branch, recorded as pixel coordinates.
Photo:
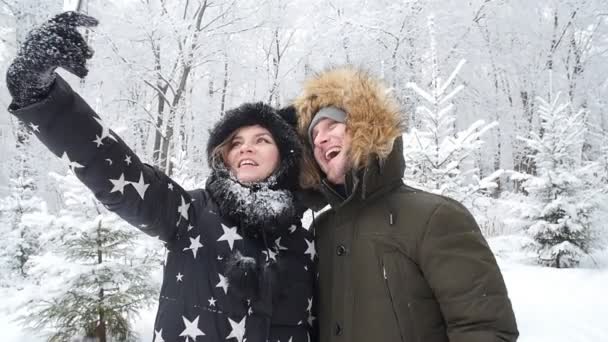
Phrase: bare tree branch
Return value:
(159, 91)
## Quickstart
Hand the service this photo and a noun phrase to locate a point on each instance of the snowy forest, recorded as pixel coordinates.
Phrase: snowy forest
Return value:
(506, 110)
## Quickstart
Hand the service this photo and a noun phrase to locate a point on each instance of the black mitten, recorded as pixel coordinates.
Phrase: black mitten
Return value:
(56, 43)
(243, 273)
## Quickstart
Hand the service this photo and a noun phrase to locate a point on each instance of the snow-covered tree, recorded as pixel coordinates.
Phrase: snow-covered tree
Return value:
(23, 216)
(90, 282)
(436, 153)
(562, 189)
(19, 233)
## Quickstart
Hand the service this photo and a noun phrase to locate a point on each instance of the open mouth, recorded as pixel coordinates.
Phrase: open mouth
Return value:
(332, 153)
(247, 162)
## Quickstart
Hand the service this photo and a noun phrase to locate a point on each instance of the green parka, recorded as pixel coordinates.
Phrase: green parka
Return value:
(395, 263)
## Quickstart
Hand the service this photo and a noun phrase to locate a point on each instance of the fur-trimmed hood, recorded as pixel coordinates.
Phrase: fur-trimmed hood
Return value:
(280, 123)
(373, 118)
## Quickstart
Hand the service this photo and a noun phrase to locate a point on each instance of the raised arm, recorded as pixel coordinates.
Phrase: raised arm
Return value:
(66, 124)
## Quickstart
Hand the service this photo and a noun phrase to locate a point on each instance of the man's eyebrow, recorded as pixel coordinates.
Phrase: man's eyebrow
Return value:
(315, 130)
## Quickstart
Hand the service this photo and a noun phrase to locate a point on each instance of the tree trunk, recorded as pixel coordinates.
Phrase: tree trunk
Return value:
(224, 87)
(100, 329)
(158, 157)
(273, 97)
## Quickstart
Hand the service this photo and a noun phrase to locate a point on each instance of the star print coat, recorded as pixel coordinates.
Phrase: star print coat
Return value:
(196, 303)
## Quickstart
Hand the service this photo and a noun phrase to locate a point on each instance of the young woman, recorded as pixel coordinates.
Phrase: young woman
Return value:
(239, 264)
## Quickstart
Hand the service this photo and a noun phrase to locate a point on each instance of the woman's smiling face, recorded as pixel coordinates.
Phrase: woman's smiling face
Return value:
(252, 154)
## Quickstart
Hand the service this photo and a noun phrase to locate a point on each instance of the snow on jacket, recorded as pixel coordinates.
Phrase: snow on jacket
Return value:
(398, 264)
(197, 302)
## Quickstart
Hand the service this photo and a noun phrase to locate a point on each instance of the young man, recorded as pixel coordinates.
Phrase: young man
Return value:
(397, 263)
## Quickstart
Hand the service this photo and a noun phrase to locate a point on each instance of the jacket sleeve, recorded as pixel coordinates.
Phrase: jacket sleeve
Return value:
(464, 276)
(139, 193)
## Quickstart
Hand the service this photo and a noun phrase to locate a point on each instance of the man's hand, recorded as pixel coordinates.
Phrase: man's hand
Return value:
(56, 43)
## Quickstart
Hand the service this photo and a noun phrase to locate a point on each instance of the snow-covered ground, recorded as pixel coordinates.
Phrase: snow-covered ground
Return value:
(551, 305)
(555, 305)
(558, 305)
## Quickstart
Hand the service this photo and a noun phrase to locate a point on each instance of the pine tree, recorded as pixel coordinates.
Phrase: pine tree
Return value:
(23, 214)
(562, 191)
(93, 282)
(435, 153)
(21, 221)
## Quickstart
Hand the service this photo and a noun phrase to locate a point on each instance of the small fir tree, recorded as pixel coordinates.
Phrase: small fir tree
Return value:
(93, 283)
(23, 214)
(563, 197)
(436, 154)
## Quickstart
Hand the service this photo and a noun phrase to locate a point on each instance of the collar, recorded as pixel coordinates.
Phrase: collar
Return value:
(262, 207)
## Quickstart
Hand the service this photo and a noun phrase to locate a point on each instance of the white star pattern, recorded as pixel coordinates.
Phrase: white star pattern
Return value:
(105, 131)
(140, 186)
(238, 329)
(311, 319)
(277, 243)
(98, 141)
(34, 127)
(223, 283)
(183, 208)
(270, 254)
(230, 235)
(158, 336)
(191, 329)
(119, 184)
(195, 244)
(71, 164)
(310, 249)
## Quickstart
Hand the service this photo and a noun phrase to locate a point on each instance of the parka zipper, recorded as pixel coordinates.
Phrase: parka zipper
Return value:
(390, 296)
(408, 330)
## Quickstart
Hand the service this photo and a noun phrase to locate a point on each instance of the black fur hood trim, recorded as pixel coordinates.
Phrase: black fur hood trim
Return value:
(281, 124)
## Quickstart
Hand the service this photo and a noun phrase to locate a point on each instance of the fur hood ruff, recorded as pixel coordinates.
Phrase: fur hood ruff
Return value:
(373, 118)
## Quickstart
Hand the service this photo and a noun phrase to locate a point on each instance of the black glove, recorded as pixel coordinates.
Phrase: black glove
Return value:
(56, 43)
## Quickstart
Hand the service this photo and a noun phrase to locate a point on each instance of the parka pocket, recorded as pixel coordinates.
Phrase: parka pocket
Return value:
(398, 298)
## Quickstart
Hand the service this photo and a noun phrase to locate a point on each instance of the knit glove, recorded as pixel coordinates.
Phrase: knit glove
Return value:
(56, 43)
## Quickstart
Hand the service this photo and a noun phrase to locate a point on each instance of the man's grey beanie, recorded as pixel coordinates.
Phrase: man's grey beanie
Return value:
(333, 113)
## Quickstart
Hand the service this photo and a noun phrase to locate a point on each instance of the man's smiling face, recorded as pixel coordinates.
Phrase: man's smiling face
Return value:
(331, 144)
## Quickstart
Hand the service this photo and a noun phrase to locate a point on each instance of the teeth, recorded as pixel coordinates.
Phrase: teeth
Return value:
(247, 162)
